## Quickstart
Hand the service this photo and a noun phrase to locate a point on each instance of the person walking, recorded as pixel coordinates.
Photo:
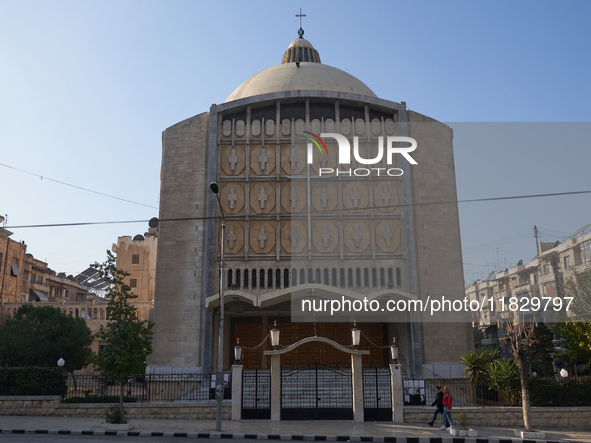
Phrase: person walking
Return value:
(438, 404)
(447, 403)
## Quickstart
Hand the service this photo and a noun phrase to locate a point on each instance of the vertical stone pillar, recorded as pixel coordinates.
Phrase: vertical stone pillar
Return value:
(357, 380)
(275, 387)
(397, 394)
(236, 392)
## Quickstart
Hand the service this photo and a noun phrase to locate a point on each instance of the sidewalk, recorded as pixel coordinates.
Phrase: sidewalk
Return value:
(284, 430)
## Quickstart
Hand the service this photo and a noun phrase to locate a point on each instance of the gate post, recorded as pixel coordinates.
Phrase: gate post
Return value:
(275, 387)
(397, 393)
(236, 392)
(357, 380)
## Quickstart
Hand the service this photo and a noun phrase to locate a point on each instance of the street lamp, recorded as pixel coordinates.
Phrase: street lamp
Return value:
(394, 351)
(61, 362)
(219, 389)
(275, 336)
(355, 335)
(237, 351)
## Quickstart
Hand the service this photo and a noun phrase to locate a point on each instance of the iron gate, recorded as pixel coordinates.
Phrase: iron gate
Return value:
(377, 394)
(256, 394)
(316, 392)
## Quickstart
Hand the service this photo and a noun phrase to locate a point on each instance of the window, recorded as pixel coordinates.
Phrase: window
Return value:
(133, 282)
(585, 252)
(286, 278)
(14, 271)
(135, 259)
(546, 270)
(567, 262)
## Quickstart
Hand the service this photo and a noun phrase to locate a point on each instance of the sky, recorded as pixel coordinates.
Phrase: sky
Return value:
(86, 89)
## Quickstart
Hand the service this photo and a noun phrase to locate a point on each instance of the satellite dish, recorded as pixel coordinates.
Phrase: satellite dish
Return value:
(153, 223)
(138, 237)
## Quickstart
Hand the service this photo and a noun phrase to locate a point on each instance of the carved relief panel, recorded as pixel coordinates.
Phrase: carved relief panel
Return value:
(385, 195)
(262, 159)
(325, 236)
(355, 195)
(293, 197)
(294, 237)
(293, 159)
(262, 197)
(324, 195)
(232, 197)
(356, 236)
(388, 235)
(234, 237)
(262, 237)
(233, 160)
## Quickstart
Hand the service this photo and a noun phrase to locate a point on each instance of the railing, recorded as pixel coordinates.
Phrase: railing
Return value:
(142, 388)
(419, 392)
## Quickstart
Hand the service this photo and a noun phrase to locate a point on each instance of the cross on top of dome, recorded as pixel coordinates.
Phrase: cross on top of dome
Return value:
(301, 30)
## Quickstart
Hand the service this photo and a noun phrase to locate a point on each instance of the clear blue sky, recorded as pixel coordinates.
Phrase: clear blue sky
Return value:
(86, 89)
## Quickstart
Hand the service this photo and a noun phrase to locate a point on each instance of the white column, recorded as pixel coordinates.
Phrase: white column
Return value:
(236, 392)
(357, 380)
(275, 387)
(397, 394)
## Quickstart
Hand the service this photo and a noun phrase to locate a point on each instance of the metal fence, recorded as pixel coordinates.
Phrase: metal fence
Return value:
(143, 388)
(572, 391)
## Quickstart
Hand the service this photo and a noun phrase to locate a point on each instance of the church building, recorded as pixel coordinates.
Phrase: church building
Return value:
(303, 223)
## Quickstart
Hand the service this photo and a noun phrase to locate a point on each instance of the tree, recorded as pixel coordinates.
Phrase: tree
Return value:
(520, 337)
(576, 328)
(41, 335)
(503, 377)
(578, 341)
(129, 339)
(577, 284)
(540, 352)
(476, 364)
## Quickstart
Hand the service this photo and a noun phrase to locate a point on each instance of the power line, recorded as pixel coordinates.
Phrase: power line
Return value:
(42, 177)
(240, 216)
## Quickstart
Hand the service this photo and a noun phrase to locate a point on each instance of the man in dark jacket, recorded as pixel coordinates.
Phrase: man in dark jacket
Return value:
(438, 403)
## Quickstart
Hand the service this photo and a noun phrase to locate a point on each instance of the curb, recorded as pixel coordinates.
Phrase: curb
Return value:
(293, 437)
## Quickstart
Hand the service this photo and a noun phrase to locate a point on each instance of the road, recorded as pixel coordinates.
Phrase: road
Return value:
(45, 438)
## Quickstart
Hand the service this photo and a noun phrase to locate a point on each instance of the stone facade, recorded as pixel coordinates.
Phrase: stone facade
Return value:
(292, 232)
(37, 284)
(137, 256)
(547, 275)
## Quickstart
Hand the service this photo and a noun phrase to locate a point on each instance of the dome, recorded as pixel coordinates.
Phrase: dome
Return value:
(300, 69)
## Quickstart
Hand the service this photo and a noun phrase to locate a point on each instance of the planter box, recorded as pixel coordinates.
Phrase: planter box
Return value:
(118, 427)
(463, 432)
(534, 435)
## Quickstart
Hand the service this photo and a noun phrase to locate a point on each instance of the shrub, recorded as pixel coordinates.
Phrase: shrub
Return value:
(569, 392)
(115, 415)
(32, 381)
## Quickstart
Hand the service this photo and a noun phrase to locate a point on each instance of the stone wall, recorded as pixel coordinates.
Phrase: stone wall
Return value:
(542, 418)
(29, 404)
(51, 405)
